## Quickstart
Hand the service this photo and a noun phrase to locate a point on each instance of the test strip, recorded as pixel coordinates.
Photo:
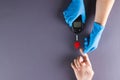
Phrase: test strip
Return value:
(76, 37)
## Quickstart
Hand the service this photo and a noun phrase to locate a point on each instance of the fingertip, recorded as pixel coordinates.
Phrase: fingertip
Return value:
(81, 51)
(81, 59)
(71, 64)
(75, 61)
(85, 43)
(70, 24)
(85, 39)
(83, 18)
(83, 21)
(64, 12)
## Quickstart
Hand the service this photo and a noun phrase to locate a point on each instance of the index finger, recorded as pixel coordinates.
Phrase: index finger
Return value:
(85, 58)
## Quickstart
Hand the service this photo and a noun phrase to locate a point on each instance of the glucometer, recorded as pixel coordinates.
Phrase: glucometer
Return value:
(77, 27)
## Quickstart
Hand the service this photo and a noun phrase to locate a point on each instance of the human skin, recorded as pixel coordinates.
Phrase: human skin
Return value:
(82, 68)
(103, 8)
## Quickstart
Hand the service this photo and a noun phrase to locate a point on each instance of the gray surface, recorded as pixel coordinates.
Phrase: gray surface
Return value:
(36, 44)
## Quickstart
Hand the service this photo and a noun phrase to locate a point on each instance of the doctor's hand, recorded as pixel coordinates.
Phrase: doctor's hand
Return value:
(82, 68)
(91, 42)
(74, 10)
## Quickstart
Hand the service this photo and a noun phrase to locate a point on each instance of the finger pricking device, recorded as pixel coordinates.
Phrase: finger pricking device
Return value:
(77, 28)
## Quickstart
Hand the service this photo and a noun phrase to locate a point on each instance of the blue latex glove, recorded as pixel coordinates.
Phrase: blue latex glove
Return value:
(92, 41)
(74, 10)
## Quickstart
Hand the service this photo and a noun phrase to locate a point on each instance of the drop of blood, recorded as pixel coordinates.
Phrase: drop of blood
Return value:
(76, 44)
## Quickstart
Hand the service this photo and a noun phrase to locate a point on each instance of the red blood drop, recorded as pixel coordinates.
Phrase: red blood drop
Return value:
(76, 44)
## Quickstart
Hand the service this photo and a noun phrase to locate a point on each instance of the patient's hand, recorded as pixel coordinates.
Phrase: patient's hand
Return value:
(82, 68)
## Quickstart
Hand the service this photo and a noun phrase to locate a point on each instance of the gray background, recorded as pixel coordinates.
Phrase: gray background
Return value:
(36, 44)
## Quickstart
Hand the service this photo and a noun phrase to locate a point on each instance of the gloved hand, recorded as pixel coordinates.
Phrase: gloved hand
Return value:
(74, 10)
(92, 41)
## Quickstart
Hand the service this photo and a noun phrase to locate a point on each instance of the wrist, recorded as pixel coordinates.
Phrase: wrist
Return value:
(84, 79)
(87, 78)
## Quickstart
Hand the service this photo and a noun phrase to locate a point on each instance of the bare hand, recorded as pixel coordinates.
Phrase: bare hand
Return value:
(82, 68)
